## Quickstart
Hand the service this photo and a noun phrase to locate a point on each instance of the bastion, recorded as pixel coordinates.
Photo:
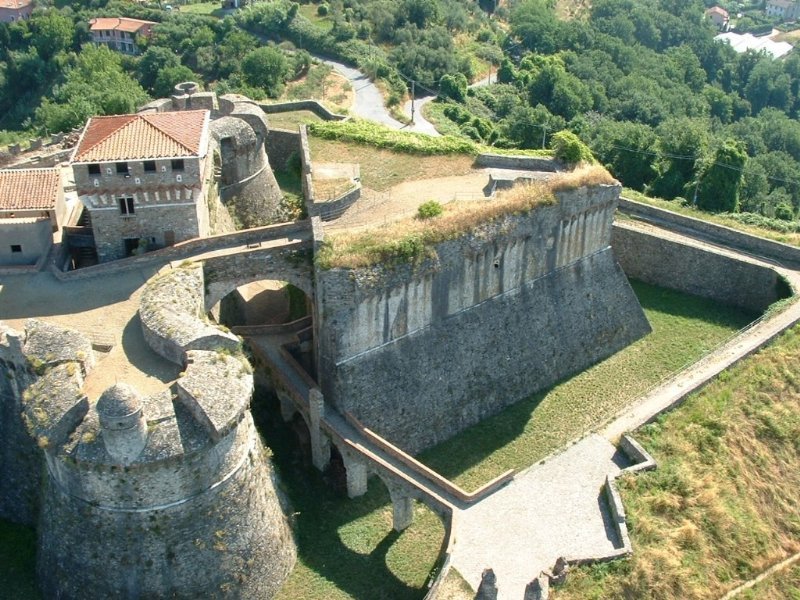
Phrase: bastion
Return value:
(419, 352)
(168, 495)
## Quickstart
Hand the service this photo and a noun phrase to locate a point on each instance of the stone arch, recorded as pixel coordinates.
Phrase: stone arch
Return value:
(224, 274)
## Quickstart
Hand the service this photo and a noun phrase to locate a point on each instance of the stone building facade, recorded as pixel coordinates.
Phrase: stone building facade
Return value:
(145, 180)
(32, 208)
(15, 10)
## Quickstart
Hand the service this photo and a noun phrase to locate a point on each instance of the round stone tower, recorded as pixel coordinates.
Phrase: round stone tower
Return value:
(166, 496)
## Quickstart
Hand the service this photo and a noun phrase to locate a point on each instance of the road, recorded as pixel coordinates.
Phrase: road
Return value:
(369, 102)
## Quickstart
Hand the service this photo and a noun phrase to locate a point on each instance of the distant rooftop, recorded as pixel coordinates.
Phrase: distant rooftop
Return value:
(29, 189)
(717, 10)
(116, 23)
(14, 4)
(747, 41)
(142, 136)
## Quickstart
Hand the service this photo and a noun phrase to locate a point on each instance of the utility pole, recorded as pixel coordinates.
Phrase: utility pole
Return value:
(412, 100)
(544, 135)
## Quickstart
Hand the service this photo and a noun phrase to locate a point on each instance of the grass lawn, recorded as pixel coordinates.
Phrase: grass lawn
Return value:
(17, 562)
(383, 169)
(309, 11)
(721, 219)
(201, 8)
(347, 548)
(290, 120)
(722, 506)
(684, 329)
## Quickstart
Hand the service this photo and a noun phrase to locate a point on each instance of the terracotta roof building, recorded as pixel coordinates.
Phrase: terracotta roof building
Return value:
(144, 179)
(31, 209)
(15, 10)
(119, 33)
(719, 16)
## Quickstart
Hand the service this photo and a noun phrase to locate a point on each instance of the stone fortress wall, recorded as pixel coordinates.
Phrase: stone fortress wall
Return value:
(163, 496)
(506, 310)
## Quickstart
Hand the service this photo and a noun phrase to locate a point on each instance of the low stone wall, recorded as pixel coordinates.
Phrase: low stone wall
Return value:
(305, 165)
(311, 105)
(333, 209)
(713, 232)
(698, 271)
(171, 310)
(521, 163)
(281, 145)
(186, 249)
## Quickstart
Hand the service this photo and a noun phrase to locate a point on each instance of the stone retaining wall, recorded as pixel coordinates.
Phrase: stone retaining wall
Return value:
(521, 163)
(715, 233)
(311, 105)
(698, 271)
(281, 145)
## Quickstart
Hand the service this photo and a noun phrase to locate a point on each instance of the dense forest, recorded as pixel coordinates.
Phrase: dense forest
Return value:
(670, 111)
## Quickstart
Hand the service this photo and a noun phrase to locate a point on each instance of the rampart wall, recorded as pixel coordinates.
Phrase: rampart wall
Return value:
(699, 271)
(541, 290)
(713, 232)
(281, 144)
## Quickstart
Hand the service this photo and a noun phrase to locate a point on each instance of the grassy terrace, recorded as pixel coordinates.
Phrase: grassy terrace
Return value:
(722, 507)
(684, 329)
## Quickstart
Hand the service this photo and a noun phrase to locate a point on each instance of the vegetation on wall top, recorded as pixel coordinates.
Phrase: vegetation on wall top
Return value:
(409, 241)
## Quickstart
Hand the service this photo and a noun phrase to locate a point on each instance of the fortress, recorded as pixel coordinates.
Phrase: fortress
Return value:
(171, 495)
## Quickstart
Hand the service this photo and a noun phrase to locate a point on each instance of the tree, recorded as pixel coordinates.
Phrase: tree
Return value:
(569, 148)
(454, 87)
(52, 32)
(721, 179)
(681, 142)
(535, 23)
(169, 77)
(266, 68)
(152, 62)
(627, 151)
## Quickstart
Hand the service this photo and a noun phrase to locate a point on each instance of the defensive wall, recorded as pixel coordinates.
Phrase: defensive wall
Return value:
(675, 264)
(541, 290)
(169, 495)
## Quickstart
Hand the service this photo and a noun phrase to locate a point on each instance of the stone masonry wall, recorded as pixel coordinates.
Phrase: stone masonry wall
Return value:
(281, 144)
(498, 314)
(701, 272)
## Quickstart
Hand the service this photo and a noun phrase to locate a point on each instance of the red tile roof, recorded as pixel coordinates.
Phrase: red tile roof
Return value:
(118, 24)
(29, 189)
(142, 136)
(14, 4)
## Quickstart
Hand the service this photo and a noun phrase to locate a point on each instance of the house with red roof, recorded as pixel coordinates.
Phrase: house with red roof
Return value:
(719, 17)
(32, 208)
(15, 10)
(119, 33)
(144, 179)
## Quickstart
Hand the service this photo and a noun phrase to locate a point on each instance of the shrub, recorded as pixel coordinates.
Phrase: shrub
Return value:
(322, 10)
(569, 148)
(429, 209)
(784, 212)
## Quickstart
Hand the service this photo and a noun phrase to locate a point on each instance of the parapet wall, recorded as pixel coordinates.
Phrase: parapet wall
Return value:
(713, 232)
(498, 314)
(699, 271)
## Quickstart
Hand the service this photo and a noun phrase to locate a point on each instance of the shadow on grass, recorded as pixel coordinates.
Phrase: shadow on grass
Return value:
(321, 514)
(666, 309)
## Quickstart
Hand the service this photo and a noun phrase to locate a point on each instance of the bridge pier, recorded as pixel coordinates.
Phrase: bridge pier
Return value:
(287, 406)
(356, 476)
(320, 444)
(402, 509)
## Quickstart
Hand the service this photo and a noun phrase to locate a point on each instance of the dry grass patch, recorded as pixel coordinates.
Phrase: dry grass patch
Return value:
(410, 240)
(382, 169)
(723, 505)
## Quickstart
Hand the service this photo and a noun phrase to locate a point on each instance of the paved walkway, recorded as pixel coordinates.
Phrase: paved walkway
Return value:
(553, 509)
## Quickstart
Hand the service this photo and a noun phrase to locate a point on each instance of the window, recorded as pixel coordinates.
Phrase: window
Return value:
(122, 168)
(94, 169)
(16, 248)
(149, 166)
(126, 206)
(177, 164)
